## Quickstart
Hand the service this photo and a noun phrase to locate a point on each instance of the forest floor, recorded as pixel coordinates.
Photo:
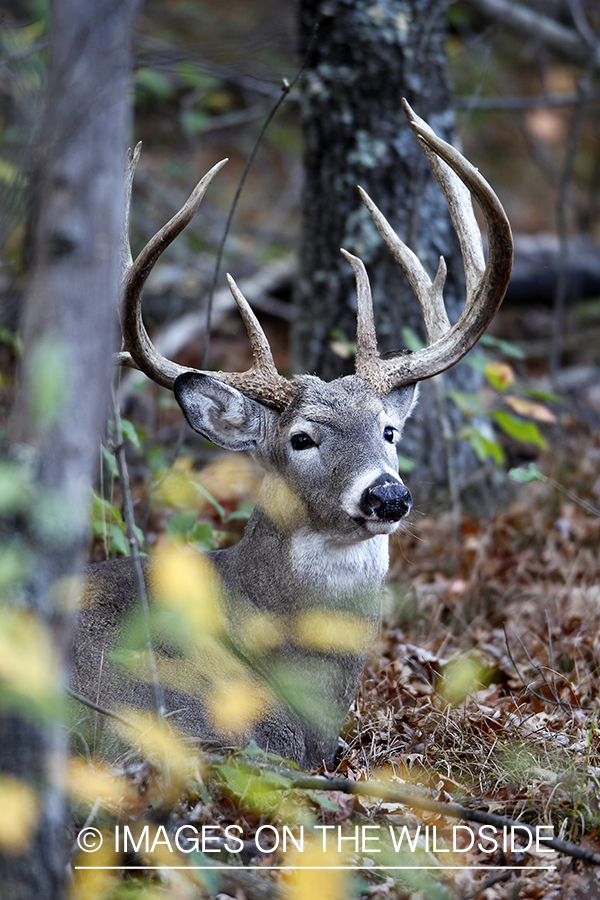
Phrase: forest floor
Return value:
(481, 690)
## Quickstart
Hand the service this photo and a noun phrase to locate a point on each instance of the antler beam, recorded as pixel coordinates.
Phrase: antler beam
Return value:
(486, 283)
(261, 382)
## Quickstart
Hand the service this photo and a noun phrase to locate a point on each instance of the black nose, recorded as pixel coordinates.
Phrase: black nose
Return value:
(387, 499)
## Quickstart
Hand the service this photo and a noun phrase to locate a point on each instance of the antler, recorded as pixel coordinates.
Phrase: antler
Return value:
(261, 382)
(485, 283)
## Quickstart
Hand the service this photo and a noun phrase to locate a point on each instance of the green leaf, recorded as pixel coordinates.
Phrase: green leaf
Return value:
(239, 514)
(111, 462)
(130, 434)
(179, 525)
(203, 537)
(500, 375)
(15, 487)
(103, 510)
(526, 475)
(324, 801)
(524, 432)
(194, 121)
(209, 878)
(48, 388)
(193, 76)
(154, 82)
(476, 360)
(10, 338)
(483, 446)
(117, 541)
(411, 339)
(506, 347)
(209, 497)
(543, 395)
(13, 565)
(125, 657)
(469, 404)
(405, 464)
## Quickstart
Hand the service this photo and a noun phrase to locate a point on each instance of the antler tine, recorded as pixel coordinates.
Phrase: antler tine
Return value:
(261, 382)
(458, 198)
(428, 293)
(486, 283)
(144, 355)
(131, 161)
(366, 337)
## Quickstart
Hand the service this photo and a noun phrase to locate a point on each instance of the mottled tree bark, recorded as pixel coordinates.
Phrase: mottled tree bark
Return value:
(60, 406)
(364, 57)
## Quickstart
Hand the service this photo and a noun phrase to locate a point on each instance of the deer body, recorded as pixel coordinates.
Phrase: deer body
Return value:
(300, 593)
(315, 546)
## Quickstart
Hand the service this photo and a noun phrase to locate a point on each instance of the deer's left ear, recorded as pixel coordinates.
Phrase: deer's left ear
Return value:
(402, 401)
(221, 413)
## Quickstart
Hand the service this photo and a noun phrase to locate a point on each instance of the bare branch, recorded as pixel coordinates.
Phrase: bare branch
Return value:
(534, 24)
(521, 104)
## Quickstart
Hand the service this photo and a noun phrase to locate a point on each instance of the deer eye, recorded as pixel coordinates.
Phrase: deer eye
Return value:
(388, 433)
(302, 441)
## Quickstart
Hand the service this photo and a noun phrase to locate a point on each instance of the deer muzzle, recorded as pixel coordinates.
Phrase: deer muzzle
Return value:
(386, 499)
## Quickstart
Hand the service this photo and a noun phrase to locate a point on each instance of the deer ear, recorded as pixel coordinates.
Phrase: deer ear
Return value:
(221, 413)
(401, 402)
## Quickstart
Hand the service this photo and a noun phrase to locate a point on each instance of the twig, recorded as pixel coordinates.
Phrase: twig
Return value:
(533, 23)
(568, 493)
(581, 23)
(285, 90)
(409, 797)
(291, 778)
(101, 709)
(551, 652)
(562, 703)
(91, 816)
(495, 878)
(140, 581)
(554, 699)
(522, 104)
(583, 91)
(449, 441)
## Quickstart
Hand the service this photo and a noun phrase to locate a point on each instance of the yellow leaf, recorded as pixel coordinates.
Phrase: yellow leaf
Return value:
(261, 632)
(233, 477)
(461, 676)
(186, 581)
(27, 659)
(235, 703)
(333, 632)
(531, 409)
(177, 489)
(307, 882)
(18, 814)
(499, 374)
(89, 783)
(159, 741)
(95, 882)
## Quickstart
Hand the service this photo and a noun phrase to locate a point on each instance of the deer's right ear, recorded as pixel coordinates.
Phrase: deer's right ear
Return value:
(221, 413)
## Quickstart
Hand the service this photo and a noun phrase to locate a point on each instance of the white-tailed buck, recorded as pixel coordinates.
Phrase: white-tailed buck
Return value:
(298, 601)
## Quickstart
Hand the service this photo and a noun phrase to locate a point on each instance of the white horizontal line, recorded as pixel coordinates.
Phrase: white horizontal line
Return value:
(219, 868)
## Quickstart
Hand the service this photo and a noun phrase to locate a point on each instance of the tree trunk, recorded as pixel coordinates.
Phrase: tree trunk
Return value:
(60, 407)
(363, 58)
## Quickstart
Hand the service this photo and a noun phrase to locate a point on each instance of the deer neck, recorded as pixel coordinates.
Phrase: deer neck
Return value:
(283, 555)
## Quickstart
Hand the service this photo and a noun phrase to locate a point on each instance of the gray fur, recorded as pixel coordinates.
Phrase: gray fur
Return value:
(307, 557)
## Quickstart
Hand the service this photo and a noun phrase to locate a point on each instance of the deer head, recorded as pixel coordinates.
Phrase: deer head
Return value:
(253, 409)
